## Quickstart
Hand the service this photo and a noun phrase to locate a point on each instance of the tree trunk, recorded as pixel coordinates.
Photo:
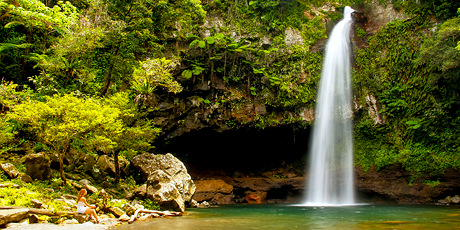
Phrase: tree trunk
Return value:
(61, 163)
(107, 82)
(117, 167)
(61, 167)
(109, 74)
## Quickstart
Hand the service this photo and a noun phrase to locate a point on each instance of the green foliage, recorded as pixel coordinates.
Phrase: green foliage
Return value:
(417, 99)
(360, 32)
(22, 196)
(60, 120)
(432, 183)
(151, 205)
(153, 73)
(440, 51)
(33, 13)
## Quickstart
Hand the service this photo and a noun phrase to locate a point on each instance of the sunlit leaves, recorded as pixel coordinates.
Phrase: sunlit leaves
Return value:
(35, 13)
(153, 73)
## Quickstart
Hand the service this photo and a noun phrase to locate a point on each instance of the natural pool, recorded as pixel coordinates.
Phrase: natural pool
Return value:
(277, 216)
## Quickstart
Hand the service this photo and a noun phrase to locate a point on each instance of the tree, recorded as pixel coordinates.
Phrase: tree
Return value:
(151, 74)
(136, 133)
(25, 18)
(61, 119)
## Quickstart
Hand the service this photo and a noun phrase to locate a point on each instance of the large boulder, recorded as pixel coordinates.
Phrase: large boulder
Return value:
(37, 166)
(162, 189)
(10, 170)
(12, 215)
(167, 180)
(213, 191)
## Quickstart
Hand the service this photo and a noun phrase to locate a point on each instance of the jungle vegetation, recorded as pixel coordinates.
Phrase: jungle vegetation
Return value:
(87, 75)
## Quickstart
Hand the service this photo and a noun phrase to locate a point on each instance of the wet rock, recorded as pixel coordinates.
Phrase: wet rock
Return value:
(267, 190)
(213, 191)
(255, 197)
(455, 199)
(450, 200)
(12, 215)
(10, 170)
(168, 182)
(37, 166)
(203, 204)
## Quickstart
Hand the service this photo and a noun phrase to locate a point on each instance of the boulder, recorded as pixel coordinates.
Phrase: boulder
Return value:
(37, 166)
(168, 181)
(36, 203)
(162, 189)
(88, 162)
(124, 218)
(106, 165)
(204, 204)
(455, 199)
(33, 219)
(213, 191)
(91, 189)
(26, 178)
(117, 212)
(255, 197)
(12, 215)
(10, 170)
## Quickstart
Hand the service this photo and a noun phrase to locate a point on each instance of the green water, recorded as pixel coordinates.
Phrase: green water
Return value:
(242, 217)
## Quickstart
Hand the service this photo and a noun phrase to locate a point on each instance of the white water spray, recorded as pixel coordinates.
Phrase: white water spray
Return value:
(330, 178)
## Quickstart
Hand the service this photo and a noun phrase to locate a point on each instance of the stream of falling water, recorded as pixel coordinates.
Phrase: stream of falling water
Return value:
(330, 177)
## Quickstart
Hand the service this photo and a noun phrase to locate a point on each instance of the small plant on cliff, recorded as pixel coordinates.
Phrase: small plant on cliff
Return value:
(432, 183)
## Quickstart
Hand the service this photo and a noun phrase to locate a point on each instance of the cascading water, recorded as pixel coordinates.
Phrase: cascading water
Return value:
(330, 178)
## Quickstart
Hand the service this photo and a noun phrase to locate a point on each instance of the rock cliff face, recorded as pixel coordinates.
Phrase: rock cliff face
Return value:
(250, 190)
(389, 185)
(394, 184)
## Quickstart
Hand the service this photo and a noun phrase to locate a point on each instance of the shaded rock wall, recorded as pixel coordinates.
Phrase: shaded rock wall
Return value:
(394, 184)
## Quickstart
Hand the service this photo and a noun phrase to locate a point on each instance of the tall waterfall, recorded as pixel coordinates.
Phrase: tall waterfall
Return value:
(330, 178)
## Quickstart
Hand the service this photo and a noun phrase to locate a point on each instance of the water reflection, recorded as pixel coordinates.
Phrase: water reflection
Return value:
(242, 217)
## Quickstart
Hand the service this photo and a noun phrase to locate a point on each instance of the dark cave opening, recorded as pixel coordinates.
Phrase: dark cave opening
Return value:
(248, 152)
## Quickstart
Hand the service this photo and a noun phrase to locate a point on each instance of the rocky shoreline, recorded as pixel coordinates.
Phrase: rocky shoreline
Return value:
(167, 183)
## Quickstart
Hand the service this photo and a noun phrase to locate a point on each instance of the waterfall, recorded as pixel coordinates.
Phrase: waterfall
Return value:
(330, 178)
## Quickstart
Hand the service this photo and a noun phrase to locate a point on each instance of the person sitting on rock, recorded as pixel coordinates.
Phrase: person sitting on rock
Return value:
(85, 208)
